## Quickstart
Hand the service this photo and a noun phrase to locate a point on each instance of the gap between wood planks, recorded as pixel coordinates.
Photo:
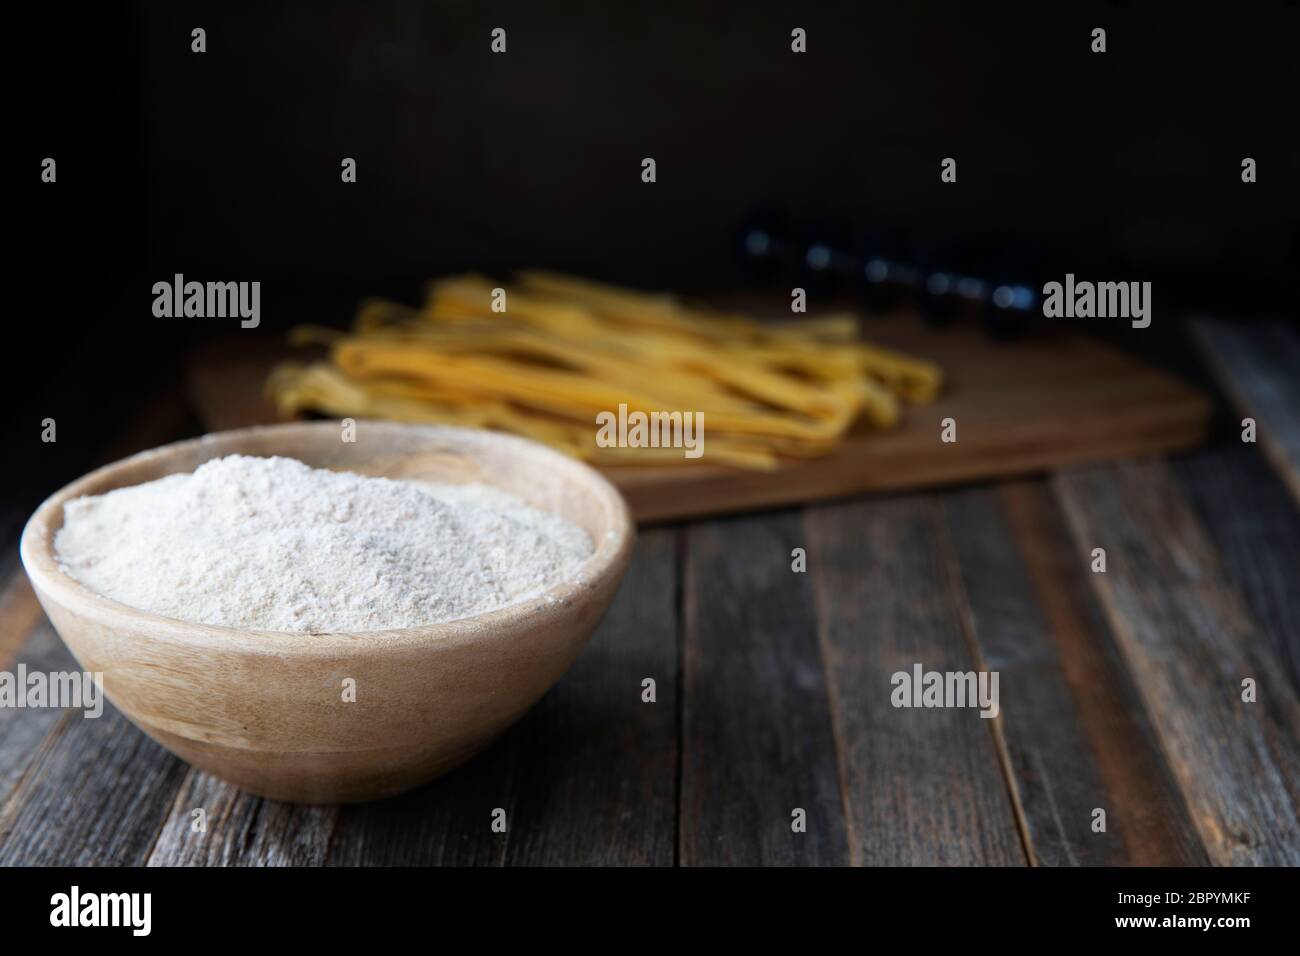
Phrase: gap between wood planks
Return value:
(1113, 736)
(1189, 641)
(679, 684)
(820, 603)
(952, 567)
(1072, 734)
(918, 786)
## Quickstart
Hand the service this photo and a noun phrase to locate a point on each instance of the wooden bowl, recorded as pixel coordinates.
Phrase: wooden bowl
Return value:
(265, 709)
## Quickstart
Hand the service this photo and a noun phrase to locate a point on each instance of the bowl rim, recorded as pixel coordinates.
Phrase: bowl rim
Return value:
(609, 556)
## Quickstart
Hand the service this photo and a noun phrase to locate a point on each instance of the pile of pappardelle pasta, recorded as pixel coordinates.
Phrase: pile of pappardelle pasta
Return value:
(563, 350)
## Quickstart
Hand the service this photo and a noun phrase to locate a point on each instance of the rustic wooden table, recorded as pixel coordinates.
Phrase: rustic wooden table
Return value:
(1120, 691)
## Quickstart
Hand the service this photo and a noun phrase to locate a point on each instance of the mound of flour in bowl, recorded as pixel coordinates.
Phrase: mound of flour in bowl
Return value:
(271, 544)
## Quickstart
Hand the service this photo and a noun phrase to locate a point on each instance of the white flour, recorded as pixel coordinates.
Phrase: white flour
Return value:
(271, 544)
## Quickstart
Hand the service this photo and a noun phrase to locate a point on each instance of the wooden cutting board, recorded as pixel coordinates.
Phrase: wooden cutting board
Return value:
(1020, 407)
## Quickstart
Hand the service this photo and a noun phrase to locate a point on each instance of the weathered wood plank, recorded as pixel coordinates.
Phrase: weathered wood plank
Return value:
(1258, 366)
(1073, 728)
(603, 788)
(25, 733)
(922, 786)
(240, 829)
(757, 738)
(97, 796)
(1255, 526)
(1190, 642)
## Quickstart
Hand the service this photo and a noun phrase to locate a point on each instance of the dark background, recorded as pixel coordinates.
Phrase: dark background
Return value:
(225, 165)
